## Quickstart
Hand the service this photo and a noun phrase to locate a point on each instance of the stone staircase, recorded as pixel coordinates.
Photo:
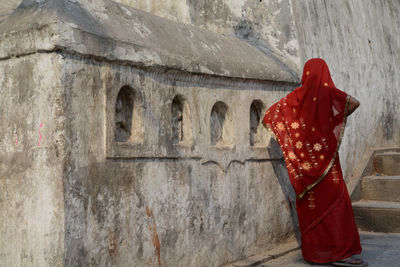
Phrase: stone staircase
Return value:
(378, 207)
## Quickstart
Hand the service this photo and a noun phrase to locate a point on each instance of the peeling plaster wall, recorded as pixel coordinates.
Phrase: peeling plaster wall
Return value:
(82, 199)
(360, 41)
(178, 205)
(94, 201)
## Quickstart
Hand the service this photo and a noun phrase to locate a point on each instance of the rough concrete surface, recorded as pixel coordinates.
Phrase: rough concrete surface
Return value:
(128, 139)
(108, 30)
(32, 162)
(138, 199)
(379, 250)
(387, 163)
(378, 206)
(377, 216)
(360, 41)
(6, 8)
(383, 188)
(136, 202)
(268, 24)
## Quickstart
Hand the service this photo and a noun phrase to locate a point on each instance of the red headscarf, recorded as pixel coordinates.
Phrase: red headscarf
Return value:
(308, 124)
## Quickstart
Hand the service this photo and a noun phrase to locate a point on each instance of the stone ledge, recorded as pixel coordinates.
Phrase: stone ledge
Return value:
(116, 32)
(258, 259)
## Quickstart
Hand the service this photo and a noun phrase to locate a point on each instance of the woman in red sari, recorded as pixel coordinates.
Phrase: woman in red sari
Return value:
(308, 124)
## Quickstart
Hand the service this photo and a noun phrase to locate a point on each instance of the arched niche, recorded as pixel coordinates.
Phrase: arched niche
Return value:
(221, 128)
(258, 134)
(128, 121)
(180, 121)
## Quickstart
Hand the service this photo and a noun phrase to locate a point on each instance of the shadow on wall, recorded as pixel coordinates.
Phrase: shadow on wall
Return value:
(257, 130)
(124, 114)
(221, 125)
(283, 178)
(388, 120)
(181, 125)
(245, 30)
(128, 121)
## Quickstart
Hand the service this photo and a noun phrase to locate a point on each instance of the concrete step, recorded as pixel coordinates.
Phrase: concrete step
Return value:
(377, 216)
(387, 163)
(382, 188)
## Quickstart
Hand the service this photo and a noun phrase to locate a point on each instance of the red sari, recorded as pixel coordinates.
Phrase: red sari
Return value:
(308, 124)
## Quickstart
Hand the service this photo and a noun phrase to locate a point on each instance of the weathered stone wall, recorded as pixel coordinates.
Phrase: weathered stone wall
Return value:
(145, 199)
(31, 162)
(164, 170)
(137, 186)
(71, 201)
(267, 24)
(360, 41)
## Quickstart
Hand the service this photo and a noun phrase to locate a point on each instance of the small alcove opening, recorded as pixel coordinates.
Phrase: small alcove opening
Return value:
(257, 130)
(128, 124)
(221, 129)
(180, 121)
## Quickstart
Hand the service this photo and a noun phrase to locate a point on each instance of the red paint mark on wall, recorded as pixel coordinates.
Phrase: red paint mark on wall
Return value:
(16, 137)
(154, 235)
(149, 212)
(40, 135)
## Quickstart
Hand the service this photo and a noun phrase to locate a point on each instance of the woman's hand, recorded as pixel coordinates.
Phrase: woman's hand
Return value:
(353, 105)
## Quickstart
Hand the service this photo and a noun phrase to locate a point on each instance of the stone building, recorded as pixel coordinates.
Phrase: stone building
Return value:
(130, 131)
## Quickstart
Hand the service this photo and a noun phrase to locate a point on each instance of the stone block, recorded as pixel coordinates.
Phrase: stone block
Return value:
(387, 163)
(382, 188)
(377, 216)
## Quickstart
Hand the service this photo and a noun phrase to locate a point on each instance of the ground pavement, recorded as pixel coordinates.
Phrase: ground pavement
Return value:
(379, 250)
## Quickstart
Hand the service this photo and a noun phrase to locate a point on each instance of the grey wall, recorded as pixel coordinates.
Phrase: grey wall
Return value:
(191, 204)
(93, 201)
(80, 198)
(360, 41)
(268, 24)
(31, 168)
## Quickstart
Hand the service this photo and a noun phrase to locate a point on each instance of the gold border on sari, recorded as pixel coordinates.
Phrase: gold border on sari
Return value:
(299, 196)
